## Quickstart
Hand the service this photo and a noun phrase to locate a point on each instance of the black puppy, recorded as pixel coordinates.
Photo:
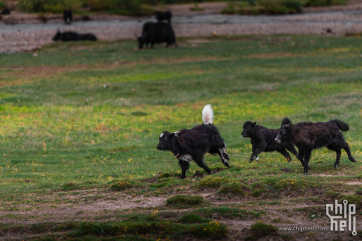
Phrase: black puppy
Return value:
(193, 144)
(73, 36)
(263, 140)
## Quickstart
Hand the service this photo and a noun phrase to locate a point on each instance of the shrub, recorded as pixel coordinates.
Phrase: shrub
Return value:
(316, 3)
(2, 5)
(124, 7)
(182, 200)
(282, 6)
(53, 6)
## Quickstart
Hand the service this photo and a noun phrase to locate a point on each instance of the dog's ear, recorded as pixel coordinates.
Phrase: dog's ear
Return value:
(172, 135)
(253, 124)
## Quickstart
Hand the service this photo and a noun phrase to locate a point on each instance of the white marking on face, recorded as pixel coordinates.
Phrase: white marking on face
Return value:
(176, 133)
(162, 134)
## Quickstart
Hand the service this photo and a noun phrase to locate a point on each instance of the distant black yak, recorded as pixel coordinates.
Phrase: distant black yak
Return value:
(73, 36)
(308, 136)
(5, 11)
(68, 16)
(163, 16)
(193, 144)
(263, 140)
(156, 33)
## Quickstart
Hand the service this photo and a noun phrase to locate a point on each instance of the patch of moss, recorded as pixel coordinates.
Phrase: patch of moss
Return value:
(190, 218)
(260, 229)
(227, 212)
(120, 185)
(184, 201)
(235, 188)
(358, 191)
(212, 181)
(69, 186)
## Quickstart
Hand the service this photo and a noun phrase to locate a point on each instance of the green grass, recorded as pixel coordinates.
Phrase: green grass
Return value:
(63, 133)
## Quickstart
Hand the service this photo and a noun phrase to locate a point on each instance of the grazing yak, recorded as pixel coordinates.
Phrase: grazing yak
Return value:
(67, 16)
(73, 36)
(163, 16)
(156, 33)
(263, 140)
(308, 136)
(187, 145)
(5, 11)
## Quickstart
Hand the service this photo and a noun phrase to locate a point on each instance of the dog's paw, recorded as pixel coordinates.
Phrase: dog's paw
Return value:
(226, 164)
(251, 160)
(210, 173)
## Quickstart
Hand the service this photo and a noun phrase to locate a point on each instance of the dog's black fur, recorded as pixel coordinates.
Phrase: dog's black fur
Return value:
(263, 140)
(194, 144)
(308, 136)
(73, 36)
(163, 16)
(67, 16)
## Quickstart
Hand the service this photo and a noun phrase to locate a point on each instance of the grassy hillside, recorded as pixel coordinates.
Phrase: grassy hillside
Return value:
(81, 117)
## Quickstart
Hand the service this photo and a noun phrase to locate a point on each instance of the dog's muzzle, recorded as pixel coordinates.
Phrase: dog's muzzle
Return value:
(159, 147)
(243, 134)
(277, 140)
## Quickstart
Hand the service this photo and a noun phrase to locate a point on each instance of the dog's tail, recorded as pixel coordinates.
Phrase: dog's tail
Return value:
(343, 126)
(207, 114)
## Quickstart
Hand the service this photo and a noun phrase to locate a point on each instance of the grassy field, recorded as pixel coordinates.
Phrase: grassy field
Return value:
(80, 123)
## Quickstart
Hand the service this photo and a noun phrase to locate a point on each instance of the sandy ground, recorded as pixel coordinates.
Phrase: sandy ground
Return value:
(30, 34)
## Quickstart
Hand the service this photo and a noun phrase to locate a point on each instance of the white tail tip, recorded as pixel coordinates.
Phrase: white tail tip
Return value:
(207, 114)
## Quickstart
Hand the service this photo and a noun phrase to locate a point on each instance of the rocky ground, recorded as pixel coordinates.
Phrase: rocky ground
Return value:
(26, 32)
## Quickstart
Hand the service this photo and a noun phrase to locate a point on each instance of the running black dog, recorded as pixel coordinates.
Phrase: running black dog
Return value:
(193, 144)
(263, 140)
(308, 136)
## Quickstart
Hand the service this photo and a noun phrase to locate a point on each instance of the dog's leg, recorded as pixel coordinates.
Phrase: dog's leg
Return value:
(200, 161)
(285, 153)
(222, 153)
(258, 150)
(290, 147)
(184, 166)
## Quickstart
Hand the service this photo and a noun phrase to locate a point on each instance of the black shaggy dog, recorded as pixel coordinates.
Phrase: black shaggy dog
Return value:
(163, 16)
(263, 140)
(308, 136)
(156, 33)
(187, 145)
(67, 16)
(73, 36)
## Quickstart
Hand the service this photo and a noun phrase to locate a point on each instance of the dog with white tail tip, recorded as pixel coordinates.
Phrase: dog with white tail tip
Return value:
(193, 144)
